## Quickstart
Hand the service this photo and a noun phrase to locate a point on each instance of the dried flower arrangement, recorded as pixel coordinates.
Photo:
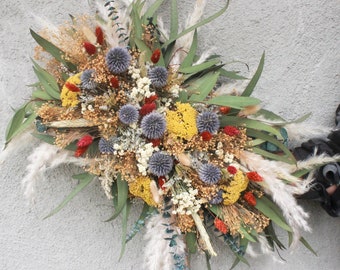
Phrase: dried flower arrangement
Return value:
(135, 106)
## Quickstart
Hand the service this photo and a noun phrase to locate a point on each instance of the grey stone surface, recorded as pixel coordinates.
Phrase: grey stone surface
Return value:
(301, 75)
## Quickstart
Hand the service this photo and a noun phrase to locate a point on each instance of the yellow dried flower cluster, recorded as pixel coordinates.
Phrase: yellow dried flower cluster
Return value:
(182, 122)
(70, 98)
(232, 192)
(141, 188)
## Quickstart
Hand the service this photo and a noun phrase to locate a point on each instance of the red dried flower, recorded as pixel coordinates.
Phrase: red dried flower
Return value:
(206, 135)
(231, 169)
(147, 108)
(99, 35)
(114, 82)
(85, 141)
(254, 176)
(231, 130)
(151, 99)
(220, 225)
(89, 48)
(161, 182)
(155, 142)
(155, 56)
(249, 198)
(225, 109)
(72, 87)
(80, 151)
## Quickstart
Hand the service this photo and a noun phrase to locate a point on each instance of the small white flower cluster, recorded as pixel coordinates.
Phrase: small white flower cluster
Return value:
(143, 153)
(174, 90)
(186, 202)
(166, 103)
(228, 158)
(142, 88)
(225, 156)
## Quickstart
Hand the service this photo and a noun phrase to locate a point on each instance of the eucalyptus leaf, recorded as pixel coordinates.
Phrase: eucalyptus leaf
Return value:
(45, 138)
(250, 87)
(268, 208)
(199, 24)
(308, 246)
(189, 59)
(231, 75)
(151, 10)
(40, 94)
(191, 241)
(84, 180)
(122, 196)
(273, 140)
(198, 68)
(58, 54)
(19, 122)
(245, 234)
(249, 123)
(202, 86)
(269, 155)
(173, 19)
(237, 102)
(125, 216)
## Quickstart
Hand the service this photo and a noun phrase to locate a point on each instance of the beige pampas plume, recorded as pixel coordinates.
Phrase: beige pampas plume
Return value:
(158, 254)
(299, 132)
(274, 173)
(43, 158)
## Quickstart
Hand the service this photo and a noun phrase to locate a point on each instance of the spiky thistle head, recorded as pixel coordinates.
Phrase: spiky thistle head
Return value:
(153, 125)
(160, 164)
(209, 173)
(118, 60)
(158, 76)
(128, 114)
(87, 79)
(106, 146)
(208, 121)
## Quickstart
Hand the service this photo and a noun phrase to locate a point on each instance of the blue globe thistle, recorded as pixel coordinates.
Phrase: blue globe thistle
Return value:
(128, 114)
(87, 79)
(160, 164)
(208, 121)
(217, 199)
(106, 146)
(118, 60)
(209, 173)
(158, 76)
(153, 125)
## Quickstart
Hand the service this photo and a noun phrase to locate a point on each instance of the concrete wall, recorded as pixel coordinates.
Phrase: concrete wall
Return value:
(301, 74)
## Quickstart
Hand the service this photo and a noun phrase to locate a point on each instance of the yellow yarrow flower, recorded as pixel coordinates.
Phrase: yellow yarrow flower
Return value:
(182, 122)
(69, 98)
(141, 188)
(233, 192)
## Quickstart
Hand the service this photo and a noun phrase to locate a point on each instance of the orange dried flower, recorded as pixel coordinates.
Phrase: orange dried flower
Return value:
(155, 142)
(254, 176)
(89, 48)
(250, 198)
(155, 56)
(220, 225)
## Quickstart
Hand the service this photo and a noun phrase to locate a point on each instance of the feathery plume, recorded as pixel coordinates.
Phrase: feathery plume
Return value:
(273, 173)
